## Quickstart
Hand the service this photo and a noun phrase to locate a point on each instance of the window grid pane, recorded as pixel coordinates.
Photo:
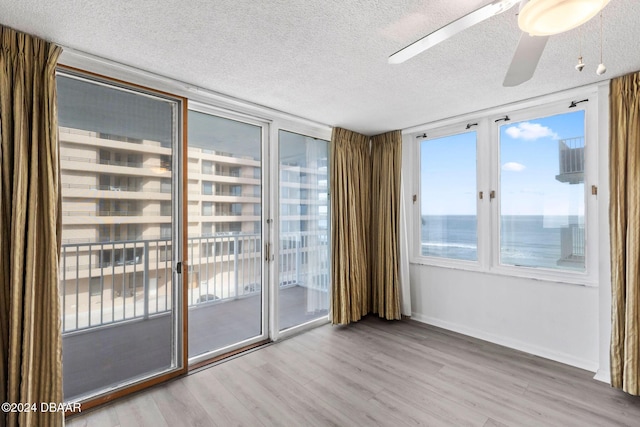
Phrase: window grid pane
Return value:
(448, 206)
(542, 208)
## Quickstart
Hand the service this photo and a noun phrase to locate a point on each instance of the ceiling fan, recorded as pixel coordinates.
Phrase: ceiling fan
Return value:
(538, 19)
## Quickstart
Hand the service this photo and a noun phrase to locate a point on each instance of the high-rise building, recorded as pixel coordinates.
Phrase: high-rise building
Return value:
(116, 211)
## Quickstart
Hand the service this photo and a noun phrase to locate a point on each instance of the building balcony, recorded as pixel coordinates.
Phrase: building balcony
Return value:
(225, 197)
(114, 217)
(571, 160)
(80, 191)
(112, 142)
(222, 158)
(224, 217)
(572, 246)
(96, 166)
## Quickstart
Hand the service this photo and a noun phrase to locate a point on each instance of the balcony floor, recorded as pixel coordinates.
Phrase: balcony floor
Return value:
(109, 355)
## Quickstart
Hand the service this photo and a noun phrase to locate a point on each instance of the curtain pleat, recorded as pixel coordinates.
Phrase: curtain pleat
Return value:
(385, 222)
(350, 203)
(30, 335)
(624, 222)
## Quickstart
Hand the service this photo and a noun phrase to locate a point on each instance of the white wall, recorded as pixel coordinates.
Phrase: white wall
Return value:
(560, 321)
(553, 320)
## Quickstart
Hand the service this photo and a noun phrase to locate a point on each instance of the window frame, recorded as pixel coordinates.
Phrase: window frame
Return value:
(436, 133)
(265, 126)
(488, 178)
(177, 183)
(589, 275)
(275, 186)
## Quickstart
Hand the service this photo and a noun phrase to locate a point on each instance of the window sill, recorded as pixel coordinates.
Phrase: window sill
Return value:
(530, 273)
(448, 263)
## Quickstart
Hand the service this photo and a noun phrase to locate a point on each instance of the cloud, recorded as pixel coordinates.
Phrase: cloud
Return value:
(513, 167)
(530, 131)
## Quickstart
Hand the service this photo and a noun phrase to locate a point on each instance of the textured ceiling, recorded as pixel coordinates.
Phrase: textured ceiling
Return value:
(327, 60)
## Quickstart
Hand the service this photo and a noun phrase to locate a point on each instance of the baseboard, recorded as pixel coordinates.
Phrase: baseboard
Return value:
(603, 375)
(546, 353)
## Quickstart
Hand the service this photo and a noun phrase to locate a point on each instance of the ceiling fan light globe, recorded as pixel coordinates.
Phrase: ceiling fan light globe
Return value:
(549, 17)
(601, 69)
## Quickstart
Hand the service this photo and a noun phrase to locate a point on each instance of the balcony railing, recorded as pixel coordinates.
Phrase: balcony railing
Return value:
(571, 160)
(113, 137)
(135, 213)
(111, 282)
(128, 188)
(102, 161)
(235, 174)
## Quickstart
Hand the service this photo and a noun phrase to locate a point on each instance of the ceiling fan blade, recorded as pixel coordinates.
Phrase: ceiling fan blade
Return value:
(525, 59)
(441, 34)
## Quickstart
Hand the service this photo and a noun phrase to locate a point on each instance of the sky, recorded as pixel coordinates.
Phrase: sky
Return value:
(528, 167)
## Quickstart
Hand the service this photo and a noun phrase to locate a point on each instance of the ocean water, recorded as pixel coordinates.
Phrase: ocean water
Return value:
(526, 240)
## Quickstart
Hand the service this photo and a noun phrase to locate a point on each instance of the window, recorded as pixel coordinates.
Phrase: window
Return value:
(128, 256)
(542, 206)
(165, 185)
(133, 232)
(236, 209)
(509, 195)
(117, 235)
(207, 208)
(448, 219)
(165, 231)
(104, 182)
(165, 163)
(207, 167)
(105, 157)
(303, 256)
(95, 286)
(226, 268)
(104, 233)
(207, 188)
(104, 263)
(207, 229)
(135, 160)
(165, 208)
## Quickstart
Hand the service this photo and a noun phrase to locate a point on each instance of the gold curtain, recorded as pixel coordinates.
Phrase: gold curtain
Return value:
(30, 336)
(365, 202)
(385, 223)
(624, 222)
(350, 201)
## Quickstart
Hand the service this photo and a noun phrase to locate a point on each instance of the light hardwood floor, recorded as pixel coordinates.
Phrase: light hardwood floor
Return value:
(376, 372)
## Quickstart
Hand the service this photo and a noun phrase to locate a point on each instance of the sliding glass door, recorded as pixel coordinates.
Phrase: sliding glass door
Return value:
(119, 285)
(303, 258)
(225, 285)
(134, 269)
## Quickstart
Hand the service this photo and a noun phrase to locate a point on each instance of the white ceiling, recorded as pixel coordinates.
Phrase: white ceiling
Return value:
(327, 60)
